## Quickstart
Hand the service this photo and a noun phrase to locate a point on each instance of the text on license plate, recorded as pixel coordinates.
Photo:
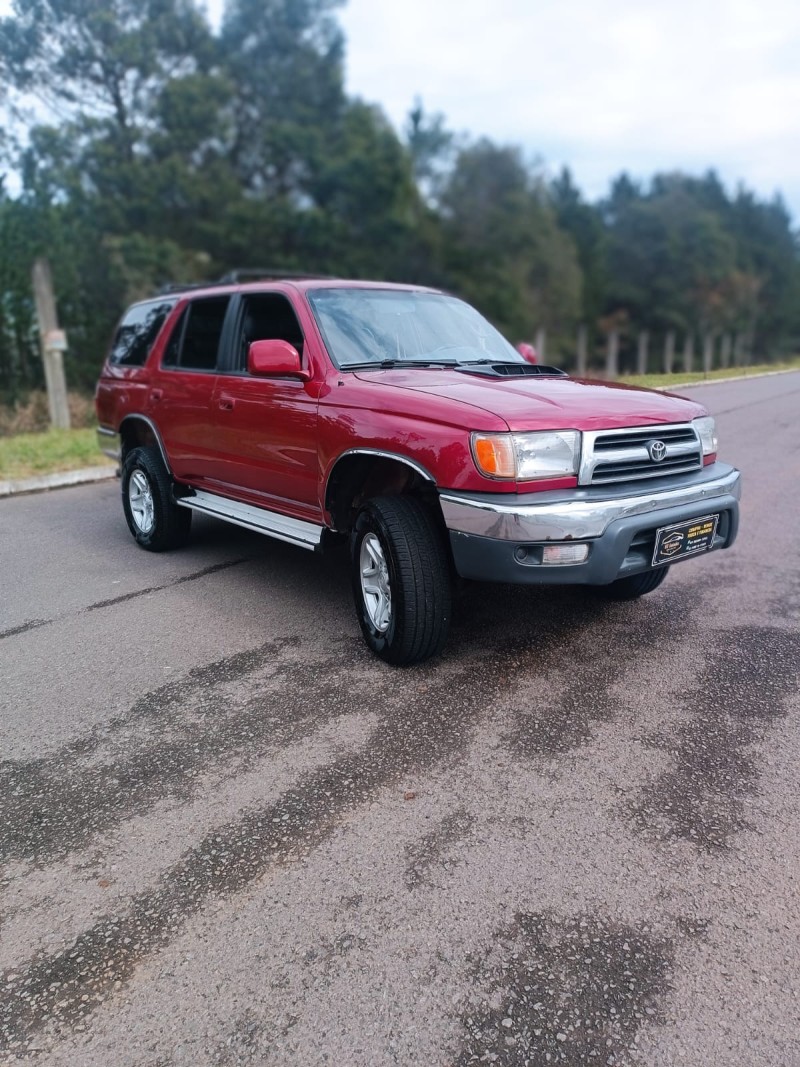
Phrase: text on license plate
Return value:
(684, 539)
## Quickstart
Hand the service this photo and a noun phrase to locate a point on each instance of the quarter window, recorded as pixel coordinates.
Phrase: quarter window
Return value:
(137, 333)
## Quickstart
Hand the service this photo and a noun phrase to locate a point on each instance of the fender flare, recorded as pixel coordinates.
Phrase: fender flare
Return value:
(155, 431)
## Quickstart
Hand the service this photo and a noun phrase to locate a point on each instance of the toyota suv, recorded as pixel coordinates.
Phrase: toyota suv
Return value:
(397, 417)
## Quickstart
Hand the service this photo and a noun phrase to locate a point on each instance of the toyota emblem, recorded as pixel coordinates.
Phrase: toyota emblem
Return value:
(658, 451)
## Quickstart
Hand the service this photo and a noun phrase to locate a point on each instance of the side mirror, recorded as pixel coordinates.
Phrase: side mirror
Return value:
(527, 351)
(269, 359)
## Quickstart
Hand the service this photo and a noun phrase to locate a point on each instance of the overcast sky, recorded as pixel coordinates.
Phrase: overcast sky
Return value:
(640, 85)
(636, 85)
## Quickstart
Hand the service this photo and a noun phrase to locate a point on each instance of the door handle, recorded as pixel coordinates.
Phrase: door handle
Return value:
(227, 403)
(156, 394)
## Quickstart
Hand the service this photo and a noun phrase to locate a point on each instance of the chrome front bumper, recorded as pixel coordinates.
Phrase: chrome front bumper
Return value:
(578, 514)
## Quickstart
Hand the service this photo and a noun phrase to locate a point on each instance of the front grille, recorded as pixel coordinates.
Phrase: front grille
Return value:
(624, 455)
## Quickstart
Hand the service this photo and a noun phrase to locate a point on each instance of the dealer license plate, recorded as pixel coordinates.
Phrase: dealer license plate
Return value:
(684, 539)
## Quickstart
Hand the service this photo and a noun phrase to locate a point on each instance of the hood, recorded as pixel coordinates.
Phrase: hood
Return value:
(544, 403)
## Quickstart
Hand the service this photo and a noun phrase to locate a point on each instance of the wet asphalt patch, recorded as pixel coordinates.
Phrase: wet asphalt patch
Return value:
(565, 992)
(158, 748)
(588, 678)
(739, 695)
(437, 850)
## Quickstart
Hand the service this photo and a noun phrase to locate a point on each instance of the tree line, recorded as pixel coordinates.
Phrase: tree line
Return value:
(149, 148)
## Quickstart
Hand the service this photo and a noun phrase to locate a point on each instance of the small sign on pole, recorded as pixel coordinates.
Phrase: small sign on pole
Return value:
(55, 341)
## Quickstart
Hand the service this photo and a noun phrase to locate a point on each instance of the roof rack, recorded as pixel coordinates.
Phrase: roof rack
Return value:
(246, 274)
(263, 274)
(177, 287)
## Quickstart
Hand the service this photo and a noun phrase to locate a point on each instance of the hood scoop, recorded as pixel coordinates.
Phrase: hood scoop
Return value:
(511, 370)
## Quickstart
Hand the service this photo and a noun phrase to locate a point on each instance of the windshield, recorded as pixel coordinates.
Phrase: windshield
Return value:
(365, 327)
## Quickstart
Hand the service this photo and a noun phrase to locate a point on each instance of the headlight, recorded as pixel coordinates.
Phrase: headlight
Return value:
(707, 432)
(527, 456)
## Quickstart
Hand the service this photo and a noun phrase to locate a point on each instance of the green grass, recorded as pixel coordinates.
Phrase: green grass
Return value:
(661, 381)
(28, 454)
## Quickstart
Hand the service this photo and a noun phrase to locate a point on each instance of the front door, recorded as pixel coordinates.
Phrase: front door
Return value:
(265, 429)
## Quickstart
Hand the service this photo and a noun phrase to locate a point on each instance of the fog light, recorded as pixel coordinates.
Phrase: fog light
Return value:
(562, 555)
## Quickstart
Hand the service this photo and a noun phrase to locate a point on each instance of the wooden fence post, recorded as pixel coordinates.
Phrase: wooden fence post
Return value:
(642, 352)
(612, 355)
(725, 351)
(583, 341)
(54, 344)
(688, 353)
(739, 350)
(669, 351)
(540, 344)
(708, 353)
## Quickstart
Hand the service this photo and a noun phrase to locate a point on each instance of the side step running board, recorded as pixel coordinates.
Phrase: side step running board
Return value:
(295, 531)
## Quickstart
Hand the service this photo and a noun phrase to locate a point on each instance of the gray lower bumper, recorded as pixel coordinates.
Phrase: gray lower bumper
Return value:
(501, 539)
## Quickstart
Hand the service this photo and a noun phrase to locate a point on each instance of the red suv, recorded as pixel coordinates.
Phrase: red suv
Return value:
(398, 417)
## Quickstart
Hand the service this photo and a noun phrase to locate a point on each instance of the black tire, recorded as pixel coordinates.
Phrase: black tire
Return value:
(160, 524)
(417, 572)
(635, 586)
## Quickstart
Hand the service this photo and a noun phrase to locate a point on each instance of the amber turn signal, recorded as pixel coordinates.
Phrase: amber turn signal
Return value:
(494, 455)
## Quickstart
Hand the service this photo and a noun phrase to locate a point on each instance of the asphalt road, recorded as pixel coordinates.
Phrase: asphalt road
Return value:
(231, 836)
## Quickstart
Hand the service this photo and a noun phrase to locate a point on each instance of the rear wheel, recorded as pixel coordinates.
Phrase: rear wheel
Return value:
(634, 586)
(155, 520)
(401, 580)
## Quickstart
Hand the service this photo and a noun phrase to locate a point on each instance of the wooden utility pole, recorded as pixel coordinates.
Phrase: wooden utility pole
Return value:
(54, 344)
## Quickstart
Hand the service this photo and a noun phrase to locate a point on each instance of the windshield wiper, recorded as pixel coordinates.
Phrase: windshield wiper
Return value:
(390, 364)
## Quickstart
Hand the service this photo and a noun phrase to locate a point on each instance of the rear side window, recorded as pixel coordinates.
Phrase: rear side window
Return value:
(137, 332)
(194, 344)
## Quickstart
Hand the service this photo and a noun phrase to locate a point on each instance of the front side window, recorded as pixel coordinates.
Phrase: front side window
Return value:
(267, 317)
(372, 326)
(137, 332)
(195, 341)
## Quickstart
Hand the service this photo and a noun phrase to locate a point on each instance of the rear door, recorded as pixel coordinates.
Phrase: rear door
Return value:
(265, 429)
(182, 391)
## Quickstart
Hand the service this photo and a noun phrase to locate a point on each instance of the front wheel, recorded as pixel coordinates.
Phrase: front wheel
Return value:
(153, 517)
(634, 586)
(401, 580)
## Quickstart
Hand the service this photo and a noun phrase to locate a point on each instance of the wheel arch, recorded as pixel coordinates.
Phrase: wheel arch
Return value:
(361, 473)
